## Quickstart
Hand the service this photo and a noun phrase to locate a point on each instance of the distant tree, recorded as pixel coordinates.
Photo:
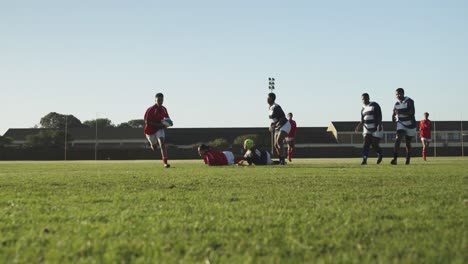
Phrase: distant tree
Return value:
(5, 141)
(47, 138)
(219, 143)
(124, 125)
(137, 123)
(57, 121)
(101, 122)
(240, 139)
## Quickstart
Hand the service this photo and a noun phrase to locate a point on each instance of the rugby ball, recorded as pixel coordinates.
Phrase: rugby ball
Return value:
(167, 122)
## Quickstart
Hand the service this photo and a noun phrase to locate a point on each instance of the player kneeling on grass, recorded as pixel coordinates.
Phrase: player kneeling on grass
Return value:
(213, 157)
(254, 155)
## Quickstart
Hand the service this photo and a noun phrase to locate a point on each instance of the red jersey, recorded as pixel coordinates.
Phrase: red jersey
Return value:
(213, 157)
(155, 114)
(292, 132)
(425, 126)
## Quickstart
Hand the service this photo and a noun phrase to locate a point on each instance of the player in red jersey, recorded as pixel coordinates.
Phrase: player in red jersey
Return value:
(290, 138)
(425, 127)
(213, 157)
(154, 129)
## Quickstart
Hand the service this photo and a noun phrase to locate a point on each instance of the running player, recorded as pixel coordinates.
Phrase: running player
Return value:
(403, 115)
(290, 138)
(371, 121)
(425, 127)
(154, 129)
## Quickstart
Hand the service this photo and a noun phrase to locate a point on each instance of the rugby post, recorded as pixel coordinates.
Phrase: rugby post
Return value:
(271, 86)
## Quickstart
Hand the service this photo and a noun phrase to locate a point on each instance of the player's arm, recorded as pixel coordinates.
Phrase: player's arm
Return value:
(378, 116)
(411, 108)
(358, 127)
(395, 112)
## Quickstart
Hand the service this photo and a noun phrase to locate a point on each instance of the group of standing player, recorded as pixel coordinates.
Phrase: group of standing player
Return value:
(404, 116)
(284, 129)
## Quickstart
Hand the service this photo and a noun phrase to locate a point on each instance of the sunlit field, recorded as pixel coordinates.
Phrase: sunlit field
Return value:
(313, 211)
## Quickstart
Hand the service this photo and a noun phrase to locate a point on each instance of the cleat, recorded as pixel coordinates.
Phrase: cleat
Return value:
(364, 162)
(407, 162)
(167, 165)
(393, 162)
(379, 159)
(282, 162)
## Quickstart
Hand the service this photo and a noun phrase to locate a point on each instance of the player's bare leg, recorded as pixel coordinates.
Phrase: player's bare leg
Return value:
(377, 148)
(396, 147)
(162, 145)
(279, 146)
(290, 149)
(425, 145)
(365, 148)
(408, 150)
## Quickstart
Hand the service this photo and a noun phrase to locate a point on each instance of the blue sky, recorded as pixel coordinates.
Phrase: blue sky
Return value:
(212, 59)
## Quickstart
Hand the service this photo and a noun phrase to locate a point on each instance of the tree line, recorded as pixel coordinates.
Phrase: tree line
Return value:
(55, 123)
(53, 136)
(58, 121)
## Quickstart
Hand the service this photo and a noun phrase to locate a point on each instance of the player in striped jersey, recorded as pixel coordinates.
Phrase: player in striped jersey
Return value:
(371, 121)
(403, 115)
(279, 125)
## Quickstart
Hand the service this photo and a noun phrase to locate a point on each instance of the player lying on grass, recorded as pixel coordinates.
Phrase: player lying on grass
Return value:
(254, 155)
(213, 157)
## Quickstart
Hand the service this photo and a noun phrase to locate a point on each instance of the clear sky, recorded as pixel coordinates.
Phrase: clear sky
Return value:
(212, 59)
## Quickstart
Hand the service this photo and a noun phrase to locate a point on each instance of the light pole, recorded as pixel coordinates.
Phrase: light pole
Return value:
(435, 140)
(66, 131)
(96, 139)
(461, 137)
(271, 86)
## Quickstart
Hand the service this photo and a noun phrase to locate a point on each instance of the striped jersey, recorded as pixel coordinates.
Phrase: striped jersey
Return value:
(277, 116)
(371, 116)
(405, 112)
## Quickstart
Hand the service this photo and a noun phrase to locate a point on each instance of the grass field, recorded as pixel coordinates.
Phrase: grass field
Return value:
(313, 211)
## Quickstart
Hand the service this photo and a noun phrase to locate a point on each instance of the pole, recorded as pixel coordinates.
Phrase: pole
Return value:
(66, 128)
(271, 86)
(435, 140)
(96, 140)
(461, 136)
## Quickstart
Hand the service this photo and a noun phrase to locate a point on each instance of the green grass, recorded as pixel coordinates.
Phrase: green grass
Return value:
(313, 211)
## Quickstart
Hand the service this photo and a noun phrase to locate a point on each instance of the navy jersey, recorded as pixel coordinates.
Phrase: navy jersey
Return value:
(371, 116)
(405, 113)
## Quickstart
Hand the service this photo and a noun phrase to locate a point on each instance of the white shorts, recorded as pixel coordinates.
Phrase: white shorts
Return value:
(410, 132)
(289, 139)
(229, 156)
(153, 138)
(286, 128)
(426, 139)
(377, 134)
